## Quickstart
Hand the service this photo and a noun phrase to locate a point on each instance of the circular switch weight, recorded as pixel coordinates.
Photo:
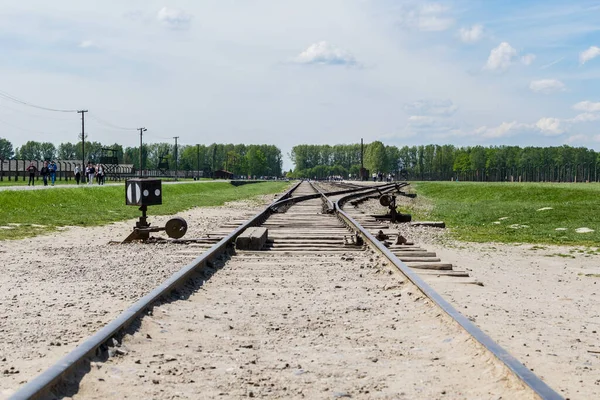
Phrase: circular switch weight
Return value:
(385, 200)
(176, 227)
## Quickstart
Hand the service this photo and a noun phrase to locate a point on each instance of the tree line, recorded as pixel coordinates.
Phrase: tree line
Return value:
(446, 162)
(240, 159)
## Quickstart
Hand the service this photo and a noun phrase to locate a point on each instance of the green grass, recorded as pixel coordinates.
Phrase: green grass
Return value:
(40, 182)
(474, 211)
(94, 205)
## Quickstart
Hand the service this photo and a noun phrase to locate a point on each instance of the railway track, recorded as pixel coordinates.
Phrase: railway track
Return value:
(322, 310)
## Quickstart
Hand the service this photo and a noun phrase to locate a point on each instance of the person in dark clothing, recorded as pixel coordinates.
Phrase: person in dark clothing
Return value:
(100, 174)
(52, 168)
(77, 174)
(32, 170)
(44, 172)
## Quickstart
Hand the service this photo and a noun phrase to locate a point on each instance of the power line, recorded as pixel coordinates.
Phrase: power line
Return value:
(176, 166)
(108, 124)
(82, 112)
(142, 130)
(14, 99)
(29, 114)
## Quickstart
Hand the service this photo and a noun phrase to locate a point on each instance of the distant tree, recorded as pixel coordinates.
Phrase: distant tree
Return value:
(376, 158)
(6, 149)
(157, 150)
(67, 151)
(31, 150)
(462, 161)
(129, 156)
(48, 151)
(257, 161)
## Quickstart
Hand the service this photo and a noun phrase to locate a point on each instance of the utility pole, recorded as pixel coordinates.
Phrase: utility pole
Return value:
(176, 137)
(213, 159)
(198, 157)
(82, 112)
(362, 165)
(142, 130)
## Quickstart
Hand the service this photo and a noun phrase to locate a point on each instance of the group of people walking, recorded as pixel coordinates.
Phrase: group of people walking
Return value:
(48, 172)
(381, 177)
(91, 172)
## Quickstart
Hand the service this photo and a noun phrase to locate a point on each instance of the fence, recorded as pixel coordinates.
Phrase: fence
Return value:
(14, 170)
(17, 169)
(583, 172)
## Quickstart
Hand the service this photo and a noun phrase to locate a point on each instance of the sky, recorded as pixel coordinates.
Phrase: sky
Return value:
(302, 72)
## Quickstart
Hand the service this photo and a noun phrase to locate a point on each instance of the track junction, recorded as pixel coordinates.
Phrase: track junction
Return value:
(356, 321)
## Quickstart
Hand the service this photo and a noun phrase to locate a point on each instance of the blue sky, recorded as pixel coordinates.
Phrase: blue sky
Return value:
(258, 71)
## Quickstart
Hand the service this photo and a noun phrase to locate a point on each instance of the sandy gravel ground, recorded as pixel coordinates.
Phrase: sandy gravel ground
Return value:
(300, 321)
(56, 290)
(538, 302)
(313, 327)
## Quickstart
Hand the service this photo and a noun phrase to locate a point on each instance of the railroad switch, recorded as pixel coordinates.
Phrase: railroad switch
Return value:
(389, 201)
(145, 192)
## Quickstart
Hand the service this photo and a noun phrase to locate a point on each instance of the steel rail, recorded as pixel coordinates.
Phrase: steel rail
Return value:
(523, 373)
(367, 191)
(319, 193)
(43, 383)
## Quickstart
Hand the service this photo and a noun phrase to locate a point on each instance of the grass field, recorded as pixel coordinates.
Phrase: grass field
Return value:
(40, 182)
(32, 212)
(513, 212)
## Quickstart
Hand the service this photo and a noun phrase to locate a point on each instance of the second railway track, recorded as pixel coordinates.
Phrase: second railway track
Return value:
(314, 314)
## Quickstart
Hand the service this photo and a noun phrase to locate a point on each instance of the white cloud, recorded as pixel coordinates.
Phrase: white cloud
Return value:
(431, 117)
(547, 126)
(576, 139)
(589, 54)
(428, 125)
(501, 57)
(586, 117)
(430, 17)
(421, 120)
(472, 34)
(325, 54)
(587, 106)
(174, 18)
(550, 126)
(528, 59)
(547, 86)
(502, 130)
(86, 44)
(552, 63)
(432, 107)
